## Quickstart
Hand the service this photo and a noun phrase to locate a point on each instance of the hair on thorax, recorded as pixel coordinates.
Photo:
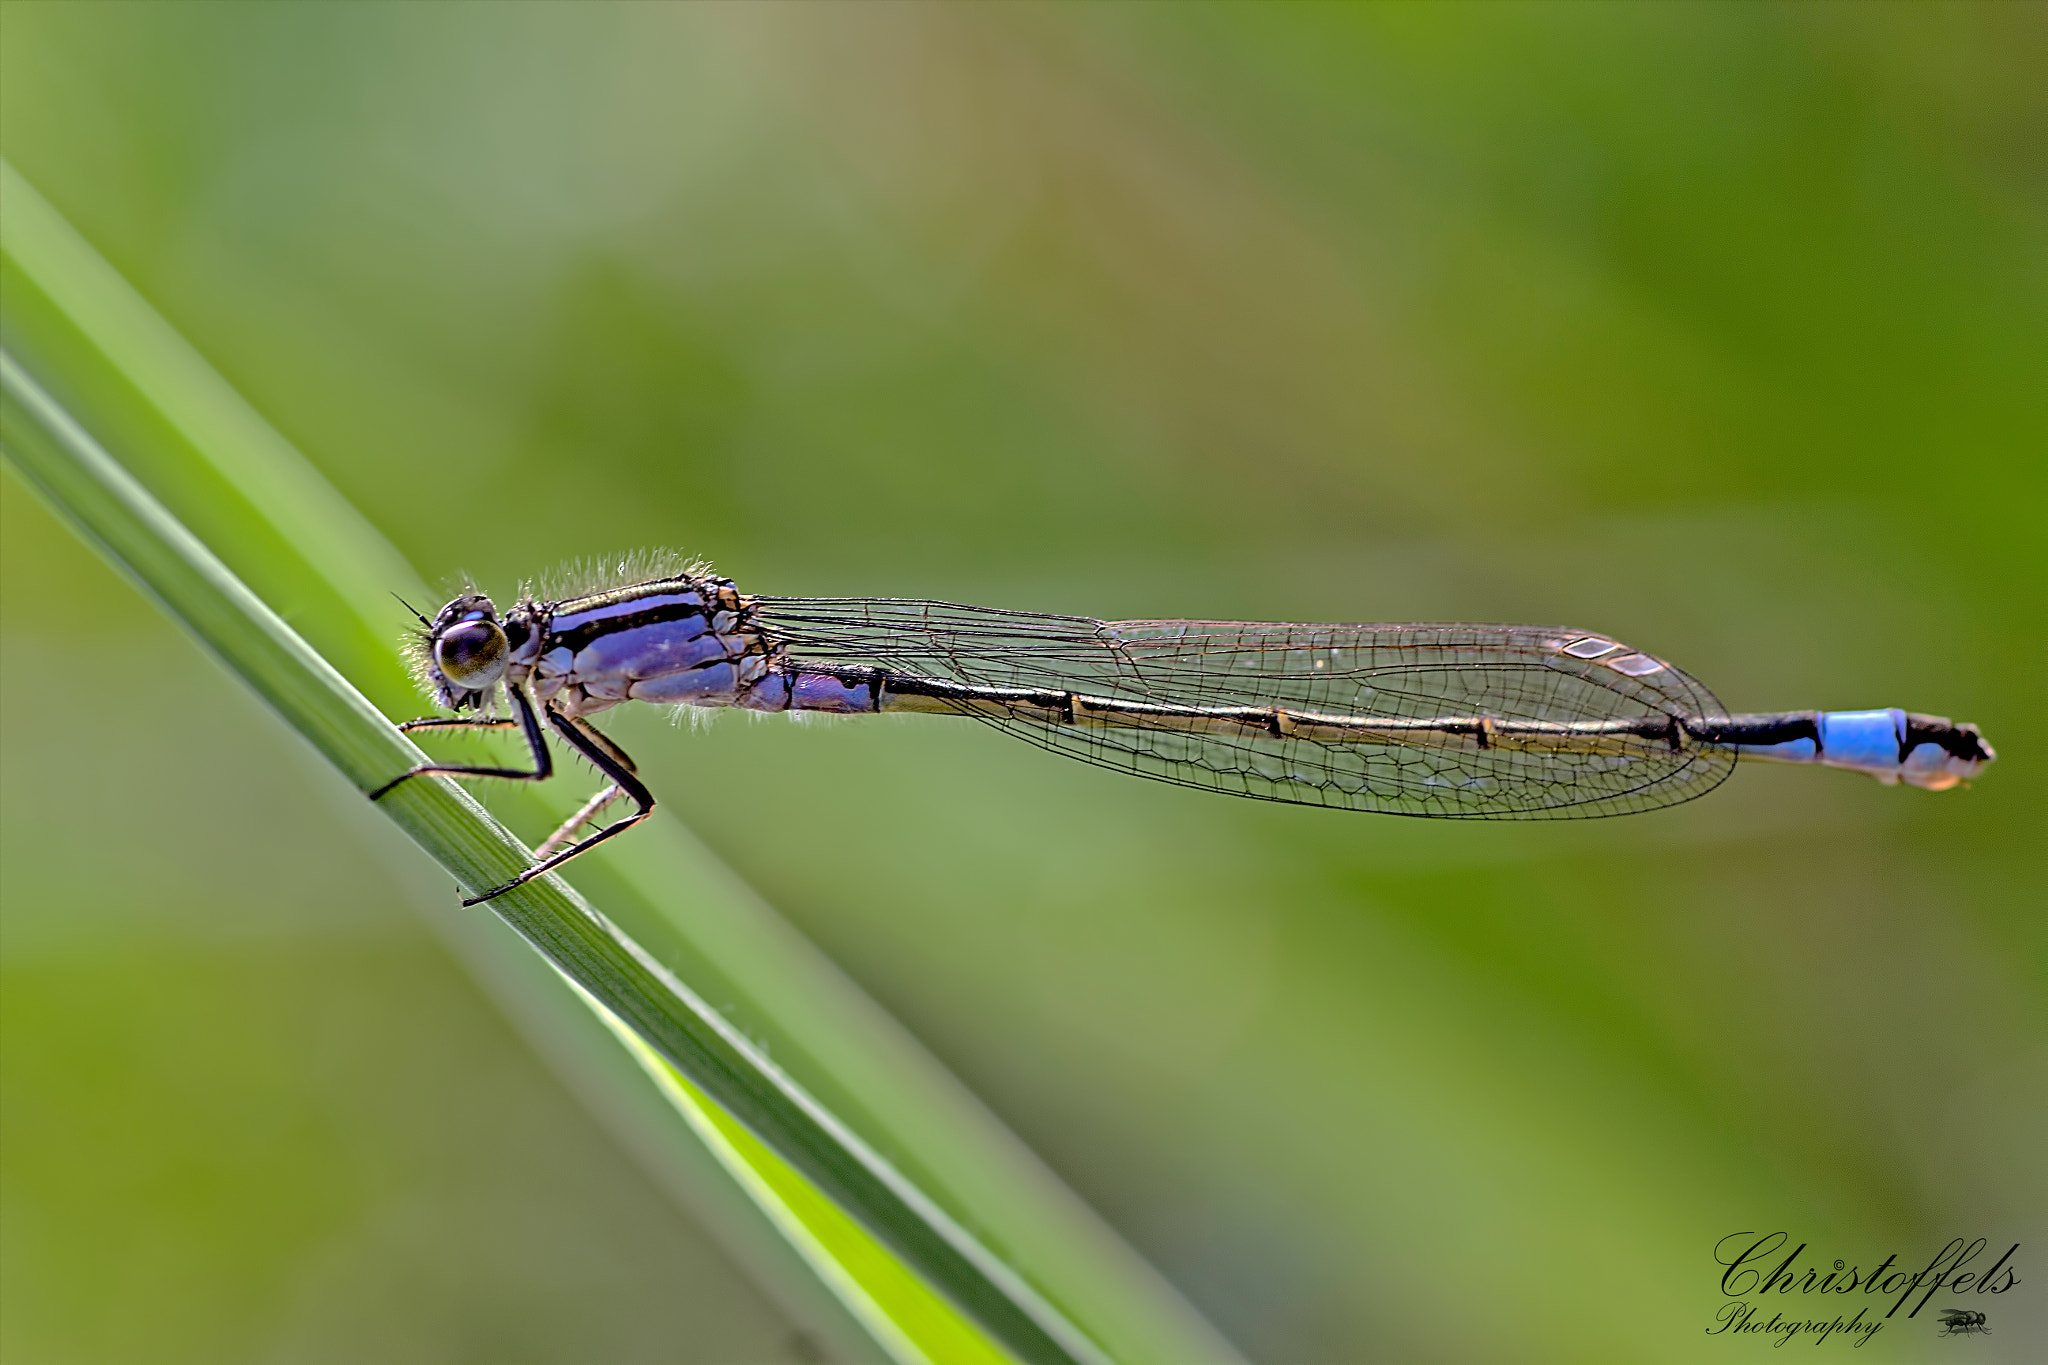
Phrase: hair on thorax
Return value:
(602, 573)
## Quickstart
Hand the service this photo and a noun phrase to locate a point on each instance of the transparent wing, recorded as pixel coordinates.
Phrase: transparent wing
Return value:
(1413, 673)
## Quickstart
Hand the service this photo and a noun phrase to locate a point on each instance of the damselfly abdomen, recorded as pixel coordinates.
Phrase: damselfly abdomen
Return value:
(1453, 721)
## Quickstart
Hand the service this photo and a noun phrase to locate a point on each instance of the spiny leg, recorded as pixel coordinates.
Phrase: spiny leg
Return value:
(610, 760)
(605, 796)
(458, 723)
(608, 794)
(602, 740)
(536, 743)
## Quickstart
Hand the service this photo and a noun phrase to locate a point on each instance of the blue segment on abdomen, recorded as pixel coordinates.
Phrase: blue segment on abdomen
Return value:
(823, 692)
(770, 693)
(1862, 739)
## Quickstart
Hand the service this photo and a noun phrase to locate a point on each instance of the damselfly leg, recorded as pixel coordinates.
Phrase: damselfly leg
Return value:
(586, 815)
(536, 744)
(607, 757)
(605, 796)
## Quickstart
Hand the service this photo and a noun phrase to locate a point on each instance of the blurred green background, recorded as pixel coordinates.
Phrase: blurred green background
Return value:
(1723, 329)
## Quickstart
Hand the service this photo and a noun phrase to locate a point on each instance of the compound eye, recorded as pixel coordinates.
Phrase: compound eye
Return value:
(471, 655)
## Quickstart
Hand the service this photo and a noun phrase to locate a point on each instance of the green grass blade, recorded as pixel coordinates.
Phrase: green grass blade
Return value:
(113, 511)
(857, 1268)
(197, 445)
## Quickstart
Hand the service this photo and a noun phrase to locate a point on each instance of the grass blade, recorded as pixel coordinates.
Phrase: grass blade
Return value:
(193, 441)
(86, 485)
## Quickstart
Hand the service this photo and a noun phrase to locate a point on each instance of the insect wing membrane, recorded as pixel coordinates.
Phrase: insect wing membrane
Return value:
(1339, 674)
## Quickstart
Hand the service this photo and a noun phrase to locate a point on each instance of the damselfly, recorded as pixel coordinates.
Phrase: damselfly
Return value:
(1454, 721)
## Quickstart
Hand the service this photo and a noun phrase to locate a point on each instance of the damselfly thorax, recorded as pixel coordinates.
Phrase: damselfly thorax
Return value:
(1450, 721)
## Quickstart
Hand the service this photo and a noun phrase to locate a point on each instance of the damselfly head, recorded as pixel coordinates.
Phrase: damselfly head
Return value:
(467, 652)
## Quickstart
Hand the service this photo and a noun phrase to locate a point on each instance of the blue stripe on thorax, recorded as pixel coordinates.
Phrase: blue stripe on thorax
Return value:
(577, 627)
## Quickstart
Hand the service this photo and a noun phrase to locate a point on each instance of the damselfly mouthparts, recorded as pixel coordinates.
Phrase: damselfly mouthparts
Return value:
(1456, 721)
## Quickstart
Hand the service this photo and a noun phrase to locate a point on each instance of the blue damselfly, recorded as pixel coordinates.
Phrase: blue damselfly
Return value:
(1452, 721)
